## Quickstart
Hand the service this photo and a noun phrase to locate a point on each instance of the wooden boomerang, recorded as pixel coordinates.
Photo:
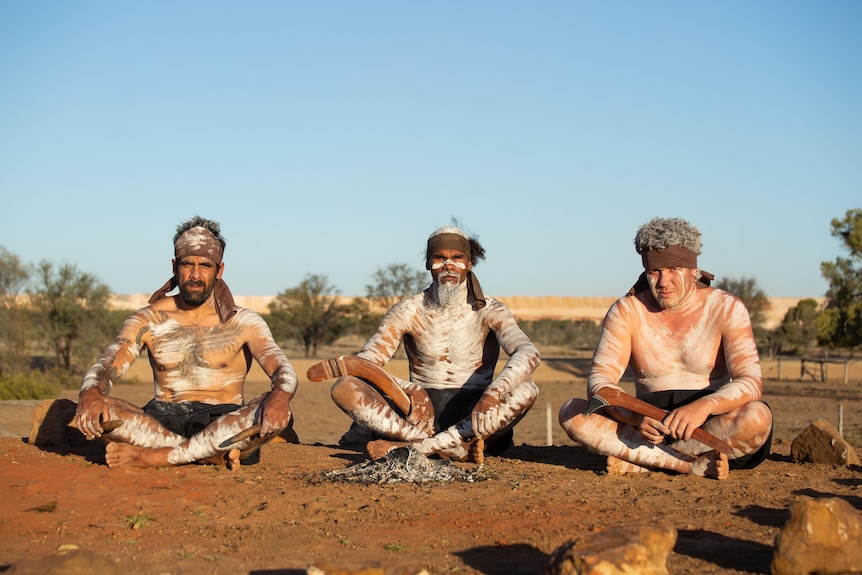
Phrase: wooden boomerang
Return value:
(250, 432)
(107, 426)
(371, 372)
(617, 398)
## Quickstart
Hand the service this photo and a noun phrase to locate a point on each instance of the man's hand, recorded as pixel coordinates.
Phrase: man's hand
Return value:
(92, 411)
(275, 413)
(421, 409)
(485, 414)
(652, 430)
(682, 421)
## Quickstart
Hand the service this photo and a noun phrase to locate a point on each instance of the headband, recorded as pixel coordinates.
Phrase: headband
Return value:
(670, 257)
(446, 241)
(198, 241)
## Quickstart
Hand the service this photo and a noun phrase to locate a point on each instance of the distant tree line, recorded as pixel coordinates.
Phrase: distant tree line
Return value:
(55, 320)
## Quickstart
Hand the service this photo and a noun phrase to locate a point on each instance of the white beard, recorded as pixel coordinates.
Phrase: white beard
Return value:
(447, 294)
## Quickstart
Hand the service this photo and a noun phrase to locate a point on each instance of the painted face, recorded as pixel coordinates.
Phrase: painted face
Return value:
(196, 277)
(671, 286)
(450, 266)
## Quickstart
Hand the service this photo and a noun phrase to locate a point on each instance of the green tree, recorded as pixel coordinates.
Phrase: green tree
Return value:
(751, 295)
(15, 330)
(840, 324)
(395, 282)
(389, 286)
(798, 331)
(757, 303)
(309, 314)
(71, 310)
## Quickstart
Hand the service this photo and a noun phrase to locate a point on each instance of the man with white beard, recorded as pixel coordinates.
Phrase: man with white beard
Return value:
(452, 335)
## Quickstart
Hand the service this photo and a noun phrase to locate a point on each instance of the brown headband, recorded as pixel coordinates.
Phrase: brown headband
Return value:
(199, 241)
(670, 257)
(446, 241)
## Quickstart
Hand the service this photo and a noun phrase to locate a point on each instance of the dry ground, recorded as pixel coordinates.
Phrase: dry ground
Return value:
(283, 515)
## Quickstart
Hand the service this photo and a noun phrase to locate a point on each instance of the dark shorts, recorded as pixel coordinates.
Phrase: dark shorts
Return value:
(669, 400)
(454, 405)
(188, 418)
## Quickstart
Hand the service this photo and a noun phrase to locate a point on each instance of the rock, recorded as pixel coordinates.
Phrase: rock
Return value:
(52, 424)
(820, 442)
(75, 563)
(617, 551)
(822, 536)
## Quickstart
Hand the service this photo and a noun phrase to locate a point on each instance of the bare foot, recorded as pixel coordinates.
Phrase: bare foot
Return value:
(380, 448)
(476, 453)
(713, 465)
(472, 451)
(231, 459)
(126, 455)
(616, 466)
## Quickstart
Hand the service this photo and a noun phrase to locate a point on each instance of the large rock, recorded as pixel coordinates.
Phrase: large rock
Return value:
(820, 442)
(822, 536)
(616, 551)
(53, 424)
(74, 563)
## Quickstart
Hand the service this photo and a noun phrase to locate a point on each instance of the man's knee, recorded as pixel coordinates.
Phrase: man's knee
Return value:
(344, 391)
(571, 408)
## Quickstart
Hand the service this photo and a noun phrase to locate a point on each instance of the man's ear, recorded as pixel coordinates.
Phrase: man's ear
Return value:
(220, 270)
(174, 266)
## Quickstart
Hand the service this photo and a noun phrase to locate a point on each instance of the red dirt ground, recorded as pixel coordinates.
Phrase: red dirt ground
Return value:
(283, 515)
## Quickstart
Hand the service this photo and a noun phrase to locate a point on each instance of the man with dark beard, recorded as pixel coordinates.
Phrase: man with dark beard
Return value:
(200, 346)
(452, 334)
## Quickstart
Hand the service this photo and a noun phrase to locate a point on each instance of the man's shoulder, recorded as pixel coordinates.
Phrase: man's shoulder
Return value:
(246, 314)
(167, 303)
(409, 302)
(492, 302)
(719, 298)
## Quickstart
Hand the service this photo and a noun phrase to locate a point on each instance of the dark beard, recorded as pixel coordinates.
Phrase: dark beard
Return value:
(195, 298)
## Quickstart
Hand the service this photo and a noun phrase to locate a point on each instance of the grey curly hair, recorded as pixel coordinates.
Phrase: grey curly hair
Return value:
(661, 233)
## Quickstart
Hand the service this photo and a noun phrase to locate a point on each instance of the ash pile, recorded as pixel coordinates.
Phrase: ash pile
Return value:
(406, 465)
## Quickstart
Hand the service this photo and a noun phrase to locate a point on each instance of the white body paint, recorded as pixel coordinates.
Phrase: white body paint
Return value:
(450, 347)
(683, 352)
(206, 364)
(455, 347)
(705, 342)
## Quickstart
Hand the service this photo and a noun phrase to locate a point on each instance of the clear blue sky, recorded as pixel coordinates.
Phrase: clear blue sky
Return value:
(332, 137)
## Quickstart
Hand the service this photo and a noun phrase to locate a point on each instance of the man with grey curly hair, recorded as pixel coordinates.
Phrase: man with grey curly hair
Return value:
(693, 355)
(200, 345)
(452, 333)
